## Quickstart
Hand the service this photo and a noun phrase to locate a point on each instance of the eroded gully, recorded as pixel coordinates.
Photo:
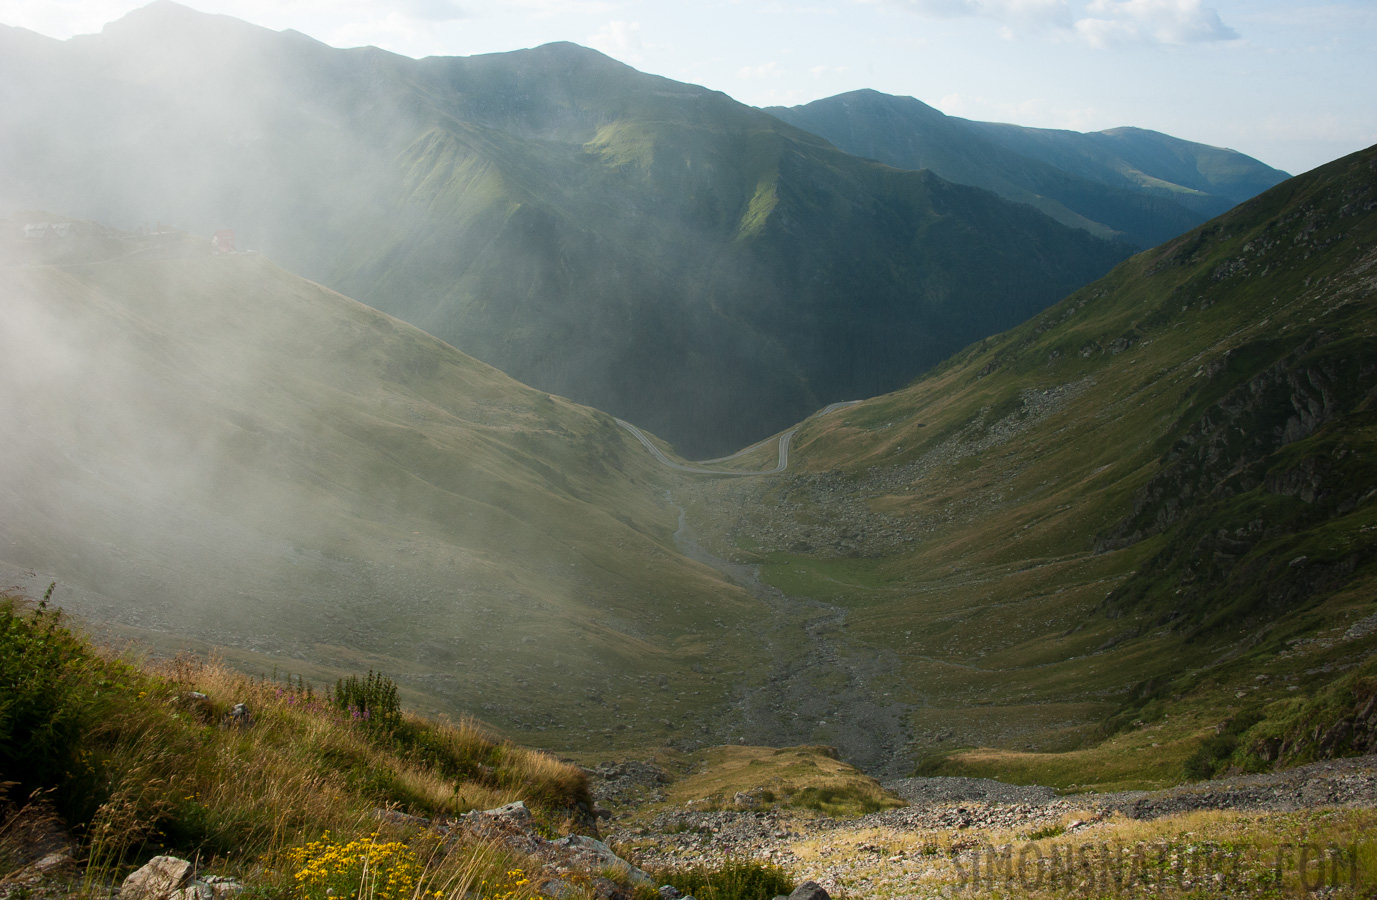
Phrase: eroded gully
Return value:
(815, 691)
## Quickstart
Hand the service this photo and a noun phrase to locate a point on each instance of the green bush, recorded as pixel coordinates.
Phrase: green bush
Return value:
(733, 881)
(1217, 748)
(45, 700)
(843, 800)
(372, 700)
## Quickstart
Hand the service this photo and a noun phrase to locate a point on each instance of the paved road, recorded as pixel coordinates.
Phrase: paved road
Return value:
(700, 468)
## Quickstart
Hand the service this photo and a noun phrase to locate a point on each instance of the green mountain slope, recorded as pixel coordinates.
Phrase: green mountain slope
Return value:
(207, 451)
(653, 248)
(1129, 183)
(1148, 510)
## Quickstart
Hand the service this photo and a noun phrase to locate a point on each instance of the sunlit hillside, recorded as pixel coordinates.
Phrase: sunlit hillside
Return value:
(1143, 513)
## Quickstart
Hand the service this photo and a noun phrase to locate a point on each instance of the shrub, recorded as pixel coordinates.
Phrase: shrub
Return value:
(841, 800)
(372, 700)
(44, 701)
(733, 881)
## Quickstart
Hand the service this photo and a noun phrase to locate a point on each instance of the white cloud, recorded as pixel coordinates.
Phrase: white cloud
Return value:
(1151, 21)
(619, 39)
(764, 70)
(1023, 13)
(1099, 23)
(548, 8)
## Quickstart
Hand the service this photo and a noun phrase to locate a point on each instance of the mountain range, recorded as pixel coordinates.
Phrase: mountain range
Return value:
(652, 248)
(1130, 184)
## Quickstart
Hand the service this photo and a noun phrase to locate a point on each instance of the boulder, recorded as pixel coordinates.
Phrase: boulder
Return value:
(516, 813)
(810, 890)
(596, 855)
(158, 880)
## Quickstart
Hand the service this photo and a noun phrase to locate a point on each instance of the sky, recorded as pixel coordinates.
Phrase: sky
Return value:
(1291, 83)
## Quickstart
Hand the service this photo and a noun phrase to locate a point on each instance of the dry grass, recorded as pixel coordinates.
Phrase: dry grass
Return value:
(159, 766)
(802, 777)
(1253, 854)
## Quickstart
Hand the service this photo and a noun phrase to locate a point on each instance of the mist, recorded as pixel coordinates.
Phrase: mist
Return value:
(208, 452)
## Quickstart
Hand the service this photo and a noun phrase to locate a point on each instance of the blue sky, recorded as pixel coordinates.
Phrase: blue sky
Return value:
(1294, 84)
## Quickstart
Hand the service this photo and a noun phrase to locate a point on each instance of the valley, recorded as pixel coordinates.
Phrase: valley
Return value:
(966, 576)
(780, 466)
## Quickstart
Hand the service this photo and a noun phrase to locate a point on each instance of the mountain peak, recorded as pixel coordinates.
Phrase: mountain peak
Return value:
(169, 20)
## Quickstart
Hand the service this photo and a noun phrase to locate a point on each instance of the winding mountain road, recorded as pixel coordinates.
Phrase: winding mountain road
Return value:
(701, 468)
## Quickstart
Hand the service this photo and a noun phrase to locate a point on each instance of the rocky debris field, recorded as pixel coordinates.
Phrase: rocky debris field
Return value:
(616, 785)
(1335, 782)
(923, 791)
(914, 851)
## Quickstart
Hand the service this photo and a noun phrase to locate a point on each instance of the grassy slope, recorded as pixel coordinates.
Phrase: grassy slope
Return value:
(134, 759)
(211, 451)
(983, 522)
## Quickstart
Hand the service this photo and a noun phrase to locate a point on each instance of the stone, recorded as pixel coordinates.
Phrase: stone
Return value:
(607, 889)
(516, 813)
(669, 892)
(596, 855)
(54, 862)
(158, 880)
(195, 891)
(222, 887)
(809, 890)
(238, 717)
